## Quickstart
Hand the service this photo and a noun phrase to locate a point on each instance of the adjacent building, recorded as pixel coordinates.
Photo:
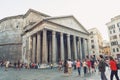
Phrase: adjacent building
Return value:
(106, 48)
(95, 42)
(114, 36)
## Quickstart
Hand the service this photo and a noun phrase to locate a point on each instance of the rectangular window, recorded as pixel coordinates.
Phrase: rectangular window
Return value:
(117, 49)
(114, 43)
(91, 33)
(113, 50)
(113, 31)
(115, 37)
(112, 26)
(118, 24)
(93, 46)
(110, 32)
(92, 41)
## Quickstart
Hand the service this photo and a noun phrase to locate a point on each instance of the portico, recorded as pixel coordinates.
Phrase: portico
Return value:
(49, 41)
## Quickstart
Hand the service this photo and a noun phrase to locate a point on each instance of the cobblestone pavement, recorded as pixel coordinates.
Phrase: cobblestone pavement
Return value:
(47, 74)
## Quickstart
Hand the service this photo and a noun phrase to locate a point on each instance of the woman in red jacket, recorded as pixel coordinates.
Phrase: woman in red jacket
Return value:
(113, 67)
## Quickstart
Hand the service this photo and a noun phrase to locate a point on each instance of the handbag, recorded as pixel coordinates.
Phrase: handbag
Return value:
(118, 65)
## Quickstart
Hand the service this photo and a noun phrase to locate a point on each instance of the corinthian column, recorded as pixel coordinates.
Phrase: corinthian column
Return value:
(44, 48)
(53, 47)
(80, 48)
(34, 48)
(62, 46)
(87, 47)
(75, 50)
(30, 49)
(68, 46)
(38, 47)
(84, 43)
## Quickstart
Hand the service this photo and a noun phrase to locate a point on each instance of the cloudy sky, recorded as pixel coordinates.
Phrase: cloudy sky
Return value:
(90, 13)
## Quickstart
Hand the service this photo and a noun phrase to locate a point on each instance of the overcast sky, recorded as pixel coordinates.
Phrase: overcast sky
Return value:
(90, 13)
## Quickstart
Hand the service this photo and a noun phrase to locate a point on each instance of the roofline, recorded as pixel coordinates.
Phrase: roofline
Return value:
(32, 10)
(11, 17)
(56, 17)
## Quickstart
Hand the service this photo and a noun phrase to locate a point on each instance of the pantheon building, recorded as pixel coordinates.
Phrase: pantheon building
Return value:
(40, 38)
(50, 39)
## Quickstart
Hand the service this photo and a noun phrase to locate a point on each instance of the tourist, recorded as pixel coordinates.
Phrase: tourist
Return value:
(101, 67)
(113, 67)
(65, 66)
(84, 67)
(69, 66)
(74, 64)
(7, 65)
(78, 65)
(88, 65)
(60, 65)
(51, 66)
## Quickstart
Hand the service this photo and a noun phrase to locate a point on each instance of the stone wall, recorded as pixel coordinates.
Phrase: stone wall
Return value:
(10, 39)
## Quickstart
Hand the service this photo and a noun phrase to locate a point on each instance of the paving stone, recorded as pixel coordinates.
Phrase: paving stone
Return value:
(47, 74)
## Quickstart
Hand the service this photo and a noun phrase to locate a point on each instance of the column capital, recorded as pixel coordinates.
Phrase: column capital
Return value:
(79, 37)
(68, 35)
(44, 30)
(74, 36)
(53, 32)
(61, 34)
(38, 33)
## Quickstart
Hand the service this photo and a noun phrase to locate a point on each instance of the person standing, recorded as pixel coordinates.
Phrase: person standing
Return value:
(60, 65)
(51, 66)
(69, 66)
(74, 64)
(7, 65)
(78, 66)
(101, 67)
(113, 67)
(85, 67)
(65, 67)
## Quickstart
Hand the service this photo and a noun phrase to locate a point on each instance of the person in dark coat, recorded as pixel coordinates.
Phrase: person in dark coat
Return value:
(101, 67)
(65, 66)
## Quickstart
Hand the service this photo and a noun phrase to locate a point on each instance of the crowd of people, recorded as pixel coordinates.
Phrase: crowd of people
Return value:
(89, 65)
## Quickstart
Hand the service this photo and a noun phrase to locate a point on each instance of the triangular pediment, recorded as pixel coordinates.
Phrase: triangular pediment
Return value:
(33, 16)
(68, 21)
(32, 11)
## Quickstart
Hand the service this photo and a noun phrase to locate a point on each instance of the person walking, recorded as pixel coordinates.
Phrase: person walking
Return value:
(101, 67)
(113, 67)
(78, 66)
(85, 67)
(88, 65)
